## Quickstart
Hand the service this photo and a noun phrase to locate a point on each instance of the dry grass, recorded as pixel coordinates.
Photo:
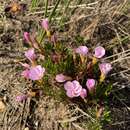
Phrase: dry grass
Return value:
(100, 22)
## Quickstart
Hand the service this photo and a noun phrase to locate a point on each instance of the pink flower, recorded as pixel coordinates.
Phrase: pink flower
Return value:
(36, 73)
(25, 73)
(90, 84)
(21, 98)
(99, 52)
(27, 37)
(83, 50)
(60, 78)
(73, 89)
(105, 68)
(45, 24)
(30, 54)
(83, 93)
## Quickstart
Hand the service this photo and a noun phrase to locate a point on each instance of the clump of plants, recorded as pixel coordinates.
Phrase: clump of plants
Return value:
(79, 72)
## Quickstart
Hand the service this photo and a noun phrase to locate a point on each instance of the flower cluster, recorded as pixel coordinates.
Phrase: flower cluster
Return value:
(33, 71)
(74, 88)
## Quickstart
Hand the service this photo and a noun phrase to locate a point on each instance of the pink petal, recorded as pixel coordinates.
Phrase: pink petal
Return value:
(105, 68)
(25, 74)
(68, 85)
(54, 38)
(76, 87)
(99, 52)
(90, 84)
(83, 93)
(45, 24)
(60, 78)
(21, 98)
(83, 50)
(27, 37)
(69, 93)
(73, 88)
(30, 54)
(34, 42)
(25, 65)
(36, 73)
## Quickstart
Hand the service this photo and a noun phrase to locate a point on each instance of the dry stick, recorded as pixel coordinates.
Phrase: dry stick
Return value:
(84, 113)
(72, 6)
(124, 55)
(118, 60)
(117, 34)
(120, 7)
(3, 118)
(11, 119)
(70, 120)
(21, 116)
(78, 127)
(28, 103)
(83, 16)
(120, 72)
(76, 6)
(41, 12)
(120, 123)
(15, 121)
(128, 108)
(116, 54)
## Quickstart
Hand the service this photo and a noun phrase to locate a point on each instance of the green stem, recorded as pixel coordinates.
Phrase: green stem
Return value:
(54, 9)
(66, 7)
(46, 7)
(50, 17)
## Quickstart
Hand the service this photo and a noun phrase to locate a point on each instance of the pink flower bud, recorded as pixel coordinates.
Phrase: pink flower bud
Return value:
(35, 43)
(60, 78)
(105, 68)
(45, 24)
(21, 98)
(25, 74)
(73, 89)
(99, 52)
(54, 38)
(36, 73)
(30, 54)
(83, 50)
(27, 37)
(90, 84)
(83, 93)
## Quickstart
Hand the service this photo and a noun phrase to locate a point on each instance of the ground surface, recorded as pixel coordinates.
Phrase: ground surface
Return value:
(46, 113)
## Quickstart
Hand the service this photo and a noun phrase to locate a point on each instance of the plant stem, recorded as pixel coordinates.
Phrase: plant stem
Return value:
(50, 17)
(46, 7)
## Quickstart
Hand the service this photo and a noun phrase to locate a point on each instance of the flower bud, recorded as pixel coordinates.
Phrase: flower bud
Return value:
(83, 93)
(90, 84)
(99, 52)
(45, 24)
